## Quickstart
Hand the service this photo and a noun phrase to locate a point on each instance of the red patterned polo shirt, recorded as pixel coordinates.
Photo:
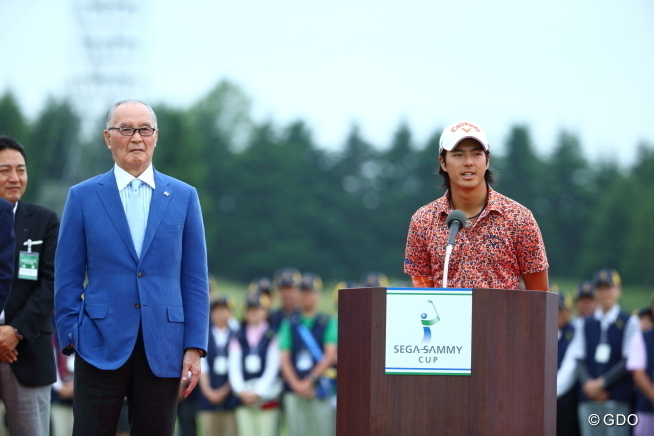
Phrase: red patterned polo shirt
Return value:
(504, 243)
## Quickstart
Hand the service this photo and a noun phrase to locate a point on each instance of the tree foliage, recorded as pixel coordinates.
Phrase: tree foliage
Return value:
(271, 197)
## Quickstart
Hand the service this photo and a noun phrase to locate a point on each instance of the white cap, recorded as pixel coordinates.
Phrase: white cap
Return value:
(455, 133)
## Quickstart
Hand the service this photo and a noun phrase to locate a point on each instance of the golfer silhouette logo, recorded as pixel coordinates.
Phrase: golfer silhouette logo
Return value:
(427, 323)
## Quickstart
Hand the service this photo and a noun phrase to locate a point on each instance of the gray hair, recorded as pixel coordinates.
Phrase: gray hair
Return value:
(112, 109)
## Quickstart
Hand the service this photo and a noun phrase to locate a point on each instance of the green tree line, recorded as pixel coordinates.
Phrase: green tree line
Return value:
(272, 197)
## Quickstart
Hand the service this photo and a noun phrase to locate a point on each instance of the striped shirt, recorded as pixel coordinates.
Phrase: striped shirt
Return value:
(123, 179)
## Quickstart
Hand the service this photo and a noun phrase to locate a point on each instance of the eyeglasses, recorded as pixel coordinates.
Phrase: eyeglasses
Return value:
(130, 131)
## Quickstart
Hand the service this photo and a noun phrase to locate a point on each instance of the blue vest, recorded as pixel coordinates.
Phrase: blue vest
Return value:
(623, 390)
(570, 397)
(567, 333)
(642, 403)
(277, 316)
(318, 332)
(261, 350)
(218, 380)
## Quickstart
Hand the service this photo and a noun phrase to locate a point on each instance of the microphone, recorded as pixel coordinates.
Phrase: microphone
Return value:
(455, 221)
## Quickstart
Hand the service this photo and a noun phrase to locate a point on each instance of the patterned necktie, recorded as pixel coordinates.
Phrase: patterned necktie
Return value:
(135, 215)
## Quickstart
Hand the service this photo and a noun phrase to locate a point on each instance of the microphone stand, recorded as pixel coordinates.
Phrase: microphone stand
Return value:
(455, 221)
(448, 252)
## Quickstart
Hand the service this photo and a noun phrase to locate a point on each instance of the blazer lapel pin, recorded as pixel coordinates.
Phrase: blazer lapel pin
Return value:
(166, 193)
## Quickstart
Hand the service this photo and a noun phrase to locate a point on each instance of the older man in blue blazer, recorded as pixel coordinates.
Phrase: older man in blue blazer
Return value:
(131, 284)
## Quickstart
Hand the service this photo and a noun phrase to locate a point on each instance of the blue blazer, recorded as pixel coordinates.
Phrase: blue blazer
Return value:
(7, 247)
(166, 291)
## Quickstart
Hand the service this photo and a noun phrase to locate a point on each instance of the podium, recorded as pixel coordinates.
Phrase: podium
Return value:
(511, 389)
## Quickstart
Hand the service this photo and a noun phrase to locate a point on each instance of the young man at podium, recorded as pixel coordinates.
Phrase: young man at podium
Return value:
(500, 240)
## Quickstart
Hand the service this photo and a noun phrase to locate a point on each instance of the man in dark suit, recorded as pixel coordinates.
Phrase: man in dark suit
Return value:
(7, 243)
(139, 323)
(27, 366)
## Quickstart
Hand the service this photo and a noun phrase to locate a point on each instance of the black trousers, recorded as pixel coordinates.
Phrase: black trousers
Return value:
(99, 395)
(187, 411)
(567, 420)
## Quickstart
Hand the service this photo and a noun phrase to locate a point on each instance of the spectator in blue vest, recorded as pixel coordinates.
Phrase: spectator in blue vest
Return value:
(287, 282)
(641, 365)
(597, 358)
(254, 371)
(217, 402)
(308, 343)
(567, 422)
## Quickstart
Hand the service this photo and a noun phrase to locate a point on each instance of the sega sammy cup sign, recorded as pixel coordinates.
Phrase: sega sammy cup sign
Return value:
(428, 331)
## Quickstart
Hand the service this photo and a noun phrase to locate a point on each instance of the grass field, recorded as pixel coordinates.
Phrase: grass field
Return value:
(633, 297)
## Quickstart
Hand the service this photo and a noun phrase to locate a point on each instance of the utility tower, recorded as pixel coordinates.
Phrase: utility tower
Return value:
(111, 35)
(108, 61)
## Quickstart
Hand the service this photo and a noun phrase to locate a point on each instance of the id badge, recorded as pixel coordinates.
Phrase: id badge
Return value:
(28, 265)
(304, 362)
(220, 365)
(252, 363)
(602, 353)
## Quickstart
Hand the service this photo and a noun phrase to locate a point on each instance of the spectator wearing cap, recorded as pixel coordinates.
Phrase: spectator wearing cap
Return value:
(585, 303)
(567, 422)
(287, 282)
(233, 323)
(254, 371)
(500, 240)
(217, 402)
(641, 365)
(597, 358)
(262, 285)
(374, 280)
(308, 342)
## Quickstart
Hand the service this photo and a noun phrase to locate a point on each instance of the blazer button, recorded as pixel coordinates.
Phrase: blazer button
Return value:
(137, 306)
(139, 275)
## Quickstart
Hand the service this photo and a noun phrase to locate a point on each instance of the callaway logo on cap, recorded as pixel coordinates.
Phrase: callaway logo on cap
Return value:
(455, 133)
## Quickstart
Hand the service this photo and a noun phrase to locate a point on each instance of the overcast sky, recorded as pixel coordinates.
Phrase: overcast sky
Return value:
(584, 66)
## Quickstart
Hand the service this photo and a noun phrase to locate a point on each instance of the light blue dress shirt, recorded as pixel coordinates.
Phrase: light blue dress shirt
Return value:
(123, 179)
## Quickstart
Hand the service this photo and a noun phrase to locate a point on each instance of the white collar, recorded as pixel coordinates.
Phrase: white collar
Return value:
(15, 208)
(608, 317)
(217, 329)
(123, 178)
(221, 335)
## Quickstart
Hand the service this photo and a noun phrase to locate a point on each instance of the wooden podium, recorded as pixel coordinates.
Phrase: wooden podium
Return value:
(511, 389)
